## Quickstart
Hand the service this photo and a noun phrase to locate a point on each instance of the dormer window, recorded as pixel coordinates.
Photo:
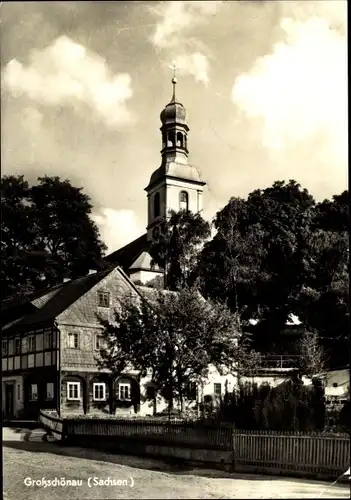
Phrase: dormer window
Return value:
(104, 299)
(183, 200)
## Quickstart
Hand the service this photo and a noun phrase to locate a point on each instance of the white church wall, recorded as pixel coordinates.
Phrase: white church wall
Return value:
(144, 276)
(174, 188)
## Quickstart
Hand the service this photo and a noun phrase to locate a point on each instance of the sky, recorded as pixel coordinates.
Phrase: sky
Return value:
(264, 84)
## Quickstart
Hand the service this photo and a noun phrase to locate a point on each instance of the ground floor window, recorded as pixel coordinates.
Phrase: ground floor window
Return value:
(73, 391)
(33, 394)
(99, 391)
(124, 391)
(218, 389)
(49, 391)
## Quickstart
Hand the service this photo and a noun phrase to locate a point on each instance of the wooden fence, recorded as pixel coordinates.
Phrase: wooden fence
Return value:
(53, 423)
(316, 453)
(292, 452)
(176, 432)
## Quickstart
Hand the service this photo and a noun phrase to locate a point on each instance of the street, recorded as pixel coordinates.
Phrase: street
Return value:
(30, 463)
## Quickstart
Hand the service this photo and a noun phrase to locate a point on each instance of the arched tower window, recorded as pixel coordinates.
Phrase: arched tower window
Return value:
(157, 205)
(180, 140)
(171, 139)
(183, 200)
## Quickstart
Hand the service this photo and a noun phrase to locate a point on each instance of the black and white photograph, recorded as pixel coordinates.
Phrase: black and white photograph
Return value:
(175, 250)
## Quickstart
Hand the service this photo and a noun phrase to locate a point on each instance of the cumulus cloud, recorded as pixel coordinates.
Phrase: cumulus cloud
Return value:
(177, 18)
(118, 227)
(299, 91)
(66, 73)
(195, 64)
(175, 33)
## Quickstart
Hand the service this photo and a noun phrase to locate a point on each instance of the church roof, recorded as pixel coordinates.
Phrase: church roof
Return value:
(126, 255)
(174, 112)
(176, 170)
(144, 262)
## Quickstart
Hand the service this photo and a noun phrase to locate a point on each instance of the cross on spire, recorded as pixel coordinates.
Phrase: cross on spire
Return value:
(174, 68)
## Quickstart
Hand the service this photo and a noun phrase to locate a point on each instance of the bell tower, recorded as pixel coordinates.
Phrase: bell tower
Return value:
(175, 185)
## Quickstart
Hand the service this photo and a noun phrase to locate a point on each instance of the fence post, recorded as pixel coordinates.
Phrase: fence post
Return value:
(234, 444)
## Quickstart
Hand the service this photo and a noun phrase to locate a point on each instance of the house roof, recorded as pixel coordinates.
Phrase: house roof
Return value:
(126, 255)
(53, 302)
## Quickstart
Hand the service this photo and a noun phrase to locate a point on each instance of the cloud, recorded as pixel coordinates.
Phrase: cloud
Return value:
(118, 227)
(195, 64)
(66, 73)
(175, 33)
(299, 90)
(177, 18)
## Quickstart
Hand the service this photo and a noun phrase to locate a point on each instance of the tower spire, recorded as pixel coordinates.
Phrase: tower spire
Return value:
(174, 68)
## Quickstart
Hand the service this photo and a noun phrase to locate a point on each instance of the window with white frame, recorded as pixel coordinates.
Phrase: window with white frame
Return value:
(73, 391)
(124, 391)
(33, 393)
(103, 299)
(49, 391)
(73, 340)
(31, 343)
(100, 342)
(99, 391)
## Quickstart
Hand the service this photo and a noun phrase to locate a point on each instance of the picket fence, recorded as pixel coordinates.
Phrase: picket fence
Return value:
(294, 452)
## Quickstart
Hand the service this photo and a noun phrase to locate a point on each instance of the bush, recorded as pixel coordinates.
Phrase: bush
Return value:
(290, 406)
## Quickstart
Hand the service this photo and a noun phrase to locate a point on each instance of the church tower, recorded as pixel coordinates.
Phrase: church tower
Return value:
(176, 184)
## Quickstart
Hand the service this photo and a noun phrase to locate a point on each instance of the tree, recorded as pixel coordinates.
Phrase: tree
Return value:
(313, 359)
(323, 301)
(228, 266)
(258, 259)
(178, 246)
(17, 234)
(175, 339)
(47, 233)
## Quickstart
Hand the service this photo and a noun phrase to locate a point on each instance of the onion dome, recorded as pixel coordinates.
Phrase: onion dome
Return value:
(174, 112)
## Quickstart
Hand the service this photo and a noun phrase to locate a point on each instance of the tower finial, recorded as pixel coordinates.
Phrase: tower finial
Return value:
(174, 68)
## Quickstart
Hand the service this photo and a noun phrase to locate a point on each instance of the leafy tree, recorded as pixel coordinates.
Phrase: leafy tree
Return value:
(48, 233)
(323, 302)
(229, 264)
(176, 251)
(174, 339)
(17, 234)
(313, 359)
(279, 252)
(258, 259)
